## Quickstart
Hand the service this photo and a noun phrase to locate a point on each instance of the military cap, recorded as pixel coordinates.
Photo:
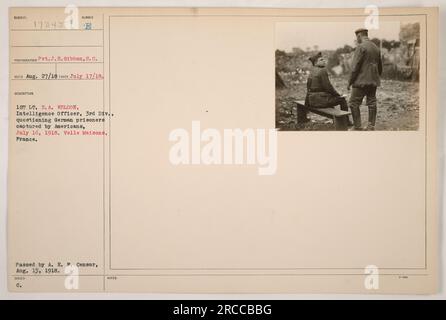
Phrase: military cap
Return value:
(314, 57)
(361, 30)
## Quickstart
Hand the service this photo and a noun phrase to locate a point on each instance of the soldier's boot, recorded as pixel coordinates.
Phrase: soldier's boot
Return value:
(372, 119)
(356, 115)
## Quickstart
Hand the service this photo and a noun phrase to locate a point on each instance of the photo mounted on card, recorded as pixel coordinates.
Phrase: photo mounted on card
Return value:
(223, 150)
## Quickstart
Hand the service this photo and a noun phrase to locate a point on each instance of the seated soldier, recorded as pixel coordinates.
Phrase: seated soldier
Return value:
(320, 92)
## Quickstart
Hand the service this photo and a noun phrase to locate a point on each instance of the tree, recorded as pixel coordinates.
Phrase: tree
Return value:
(280, 53)
(376, 41)
(410, 31)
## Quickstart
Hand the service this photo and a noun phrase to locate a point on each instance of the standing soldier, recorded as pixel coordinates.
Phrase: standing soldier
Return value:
(365, 78)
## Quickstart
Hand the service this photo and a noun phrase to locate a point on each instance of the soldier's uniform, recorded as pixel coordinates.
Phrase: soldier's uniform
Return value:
(365, 78)
(320, 92)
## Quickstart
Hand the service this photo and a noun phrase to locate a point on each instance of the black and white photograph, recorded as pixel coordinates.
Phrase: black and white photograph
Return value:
(343, 76)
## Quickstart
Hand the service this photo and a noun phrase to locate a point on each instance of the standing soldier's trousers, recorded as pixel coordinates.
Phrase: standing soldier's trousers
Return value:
(358, 94)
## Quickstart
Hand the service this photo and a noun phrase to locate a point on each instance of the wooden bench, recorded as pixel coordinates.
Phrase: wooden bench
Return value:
(339, 117)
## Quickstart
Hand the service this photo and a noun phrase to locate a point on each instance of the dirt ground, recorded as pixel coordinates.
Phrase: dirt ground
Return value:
(398, 107)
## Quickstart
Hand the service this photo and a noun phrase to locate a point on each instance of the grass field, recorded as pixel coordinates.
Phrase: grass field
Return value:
(398, 106)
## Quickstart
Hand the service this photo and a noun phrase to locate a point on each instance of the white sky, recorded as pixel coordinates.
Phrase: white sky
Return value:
(328, 35)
